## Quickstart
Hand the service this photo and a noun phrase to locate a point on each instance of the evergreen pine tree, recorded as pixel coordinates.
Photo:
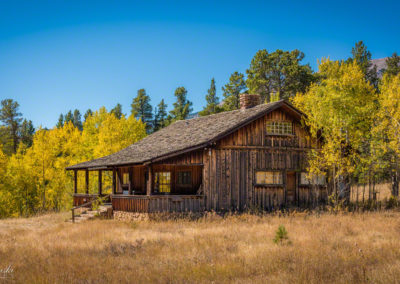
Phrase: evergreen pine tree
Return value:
(60, 122)
(393, 65)
(26, 132)
(212, 101)
(278, 72)
(182, 106)
(160, 120)
(69, 117)
(142, 109)
(232, 91)
(117, 111)
(362, 56)
(77, 119)
(88, 113)
(11, 119)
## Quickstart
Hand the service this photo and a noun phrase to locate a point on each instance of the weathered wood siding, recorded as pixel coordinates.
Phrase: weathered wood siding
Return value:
(229, 167)
(154, 204)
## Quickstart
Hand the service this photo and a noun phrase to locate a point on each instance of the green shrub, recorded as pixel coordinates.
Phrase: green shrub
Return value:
(281, 236)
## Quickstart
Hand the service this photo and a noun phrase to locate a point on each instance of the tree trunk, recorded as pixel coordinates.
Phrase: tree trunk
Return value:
(395, 183)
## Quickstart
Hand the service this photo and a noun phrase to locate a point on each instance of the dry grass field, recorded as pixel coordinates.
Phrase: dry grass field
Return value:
(344, 248)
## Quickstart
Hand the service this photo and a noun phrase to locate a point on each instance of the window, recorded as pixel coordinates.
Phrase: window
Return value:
(279, 127)
(125, 178)
(263, 177)
(184, 178)
(316, 179)
(162, 182)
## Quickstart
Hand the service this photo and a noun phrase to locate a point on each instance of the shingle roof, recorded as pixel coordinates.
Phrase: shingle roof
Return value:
(182, 136)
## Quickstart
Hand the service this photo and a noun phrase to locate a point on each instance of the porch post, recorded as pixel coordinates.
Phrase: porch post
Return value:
(130, 180)
(87, 181)
(100, 182)
(114, 182)
(75, 181)
(149, 179)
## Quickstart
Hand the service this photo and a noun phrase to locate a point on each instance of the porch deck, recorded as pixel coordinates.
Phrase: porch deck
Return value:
(149, 204)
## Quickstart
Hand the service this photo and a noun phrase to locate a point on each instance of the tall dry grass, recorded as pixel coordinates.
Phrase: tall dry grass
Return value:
(344, 248)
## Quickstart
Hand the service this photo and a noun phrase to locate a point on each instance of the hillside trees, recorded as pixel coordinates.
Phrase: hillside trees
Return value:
(387, 127)
(340, 110)
(278, 72)
(35, 178)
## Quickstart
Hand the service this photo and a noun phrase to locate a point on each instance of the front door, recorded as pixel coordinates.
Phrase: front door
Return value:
(291, 188)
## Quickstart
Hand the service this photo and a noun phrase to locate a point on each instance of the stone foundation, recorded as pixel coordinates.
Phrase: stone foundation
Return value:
(130, 216)
(133, 216)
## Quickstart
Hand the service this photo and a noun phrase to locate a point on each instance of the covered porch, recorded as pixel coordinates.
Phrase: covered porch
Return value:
(147, 188)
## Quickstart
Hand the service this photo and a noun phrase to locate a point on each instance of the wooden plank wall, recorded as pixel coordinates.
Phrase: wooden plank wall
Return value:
(180, 203)
(138, 179)
(229, 168)
(154, 204)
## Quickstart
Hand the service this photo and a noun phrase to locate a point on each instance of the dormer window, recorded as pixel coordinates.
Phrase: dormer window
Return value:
(279, 128)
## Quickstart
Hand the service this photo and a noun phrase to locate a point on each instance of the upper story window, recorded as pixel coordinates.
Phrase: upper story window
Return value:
(279, 128)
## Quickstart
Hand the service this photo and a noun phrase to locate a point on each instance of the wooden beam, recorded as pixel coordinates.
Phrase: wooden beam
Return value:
(87, 181)
(75, 181)
(114, 181)
(119, 180)
(149, 180)
(130, 179)
(100, 182)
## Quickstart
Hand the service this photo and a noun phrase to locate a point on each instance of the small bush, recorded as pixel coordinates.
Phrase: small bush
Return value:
(281, 236)
(392, 202)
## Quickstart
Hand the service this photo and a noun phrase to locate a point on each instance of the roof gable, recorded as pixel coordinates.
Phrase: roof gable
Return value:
(186, 135)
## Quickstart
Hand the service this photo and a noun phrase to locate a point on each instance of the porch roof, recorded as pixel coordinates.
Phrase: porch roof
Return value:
(184, 136)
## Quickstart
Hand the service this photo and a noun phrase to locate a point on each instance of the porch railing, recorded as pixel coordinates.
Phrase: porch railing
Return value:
(89, 204)
(158, 203)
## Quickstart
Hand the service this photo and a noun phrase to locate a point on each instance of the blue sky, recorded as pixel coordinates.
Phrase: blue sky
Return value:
(61, 55)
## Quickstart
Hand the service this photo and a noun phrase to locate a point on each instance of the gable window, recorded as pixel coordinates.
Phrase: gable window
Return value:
(269, 177)
(184, 178)
(162, 182)
(316, 179)
(279, 128)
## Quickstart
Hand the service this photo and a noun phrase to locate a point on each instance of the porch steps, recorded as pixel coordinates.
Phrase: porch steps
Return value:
(104, 210)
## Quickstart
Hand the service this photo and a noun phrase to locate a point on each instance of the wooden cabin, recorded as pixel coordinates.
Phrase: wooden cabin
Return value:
(254, 157)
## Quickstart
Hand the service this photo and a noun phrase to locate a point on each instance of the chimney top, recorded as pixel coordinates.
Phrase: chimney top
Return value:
(249, 100)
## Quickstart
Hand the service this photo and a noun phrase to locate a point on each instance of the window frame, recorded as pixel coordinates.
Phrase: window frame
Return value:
(269, 184)
(280, 125)
(310, 183)
(178, 183)
(156, 185)
(123, 178)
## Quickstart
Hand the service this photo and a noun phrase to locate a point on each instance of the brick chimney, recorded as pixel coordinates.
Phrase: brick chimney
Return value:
(249, 100)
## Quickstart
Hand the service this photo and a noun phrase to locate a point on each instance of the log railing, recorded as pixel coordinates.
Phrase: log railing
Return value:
(158, 203)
